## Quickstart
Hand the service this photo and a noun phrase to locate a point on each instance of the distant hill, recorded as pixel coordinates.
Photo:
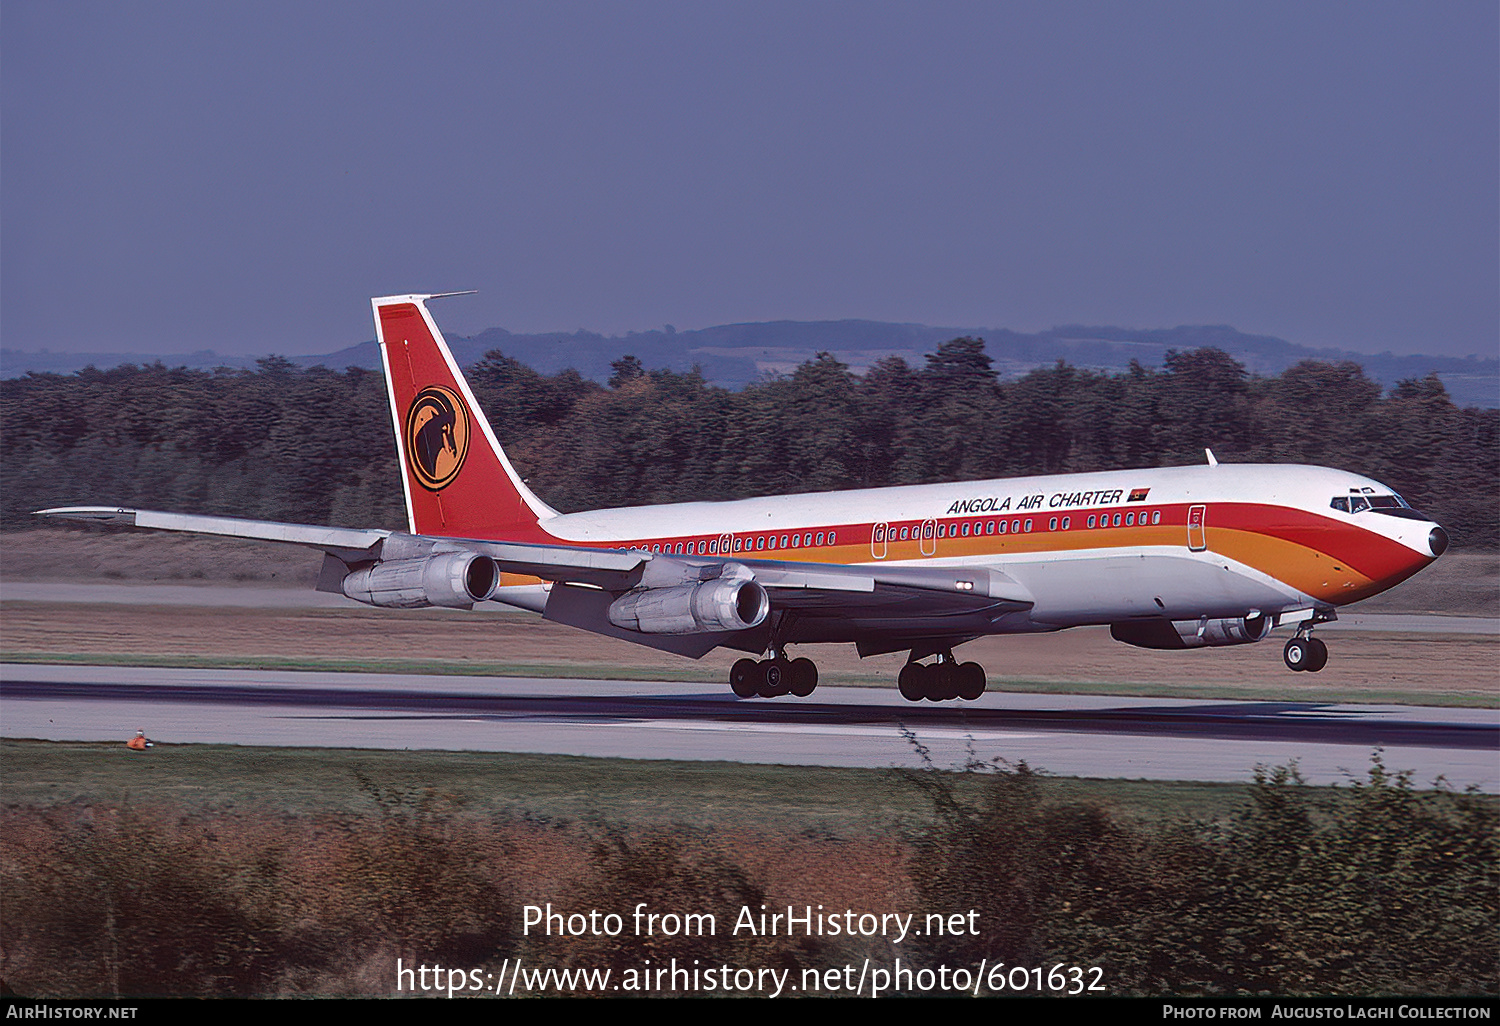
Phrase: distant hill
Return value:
(732, 355)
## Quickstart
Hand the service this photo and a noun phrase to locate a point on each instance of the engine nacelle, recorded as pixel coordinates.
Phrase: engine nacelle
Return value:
(1201, 633)
(455, 580)
(727, 604)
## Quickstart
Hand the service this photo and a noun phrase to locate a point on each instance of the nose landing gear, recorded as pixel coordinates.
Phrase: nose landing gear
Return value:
(1305, 652)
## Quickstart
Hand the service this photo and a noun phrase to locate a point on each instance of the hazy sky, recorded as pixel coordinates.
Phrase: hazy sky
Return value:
(244, 176)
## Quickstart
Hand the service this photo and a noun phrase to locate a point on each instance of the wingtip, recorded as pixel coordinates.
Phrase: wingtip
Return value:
(90, 514)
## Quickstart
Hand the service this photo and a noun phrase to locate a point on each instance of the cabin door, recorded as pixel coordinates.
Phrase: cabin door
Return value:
(1197, 536)
(879, 546)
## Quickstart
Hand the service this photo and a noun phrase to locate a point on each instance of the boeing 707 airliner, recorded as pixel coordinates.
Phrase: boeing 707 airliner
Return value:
(1171, 558)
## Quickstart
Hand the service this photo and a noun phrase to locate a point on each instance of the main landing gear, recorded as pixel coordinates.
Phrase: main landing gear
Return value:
(941, 681)
(774, 677)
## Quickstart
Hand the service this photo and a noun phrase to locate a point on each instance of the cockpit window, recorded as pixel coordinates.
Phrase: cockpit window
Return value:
(1340, 503)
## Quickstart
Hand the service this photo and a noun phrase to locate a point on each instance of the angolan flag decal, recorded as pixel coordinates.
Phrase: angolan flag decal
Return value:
(1138, 495)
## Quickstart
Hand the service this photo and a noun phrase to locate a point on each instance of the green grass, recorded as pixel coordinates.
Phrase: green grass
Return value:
(296, 781)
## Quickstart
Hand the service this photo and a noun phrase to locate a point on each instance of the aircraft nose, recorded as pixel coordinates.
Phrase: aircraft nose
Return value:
(1437, 541)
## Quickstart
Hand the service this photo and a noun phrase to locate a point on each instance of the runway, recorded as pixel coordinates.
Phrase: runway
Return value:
(1151, 738)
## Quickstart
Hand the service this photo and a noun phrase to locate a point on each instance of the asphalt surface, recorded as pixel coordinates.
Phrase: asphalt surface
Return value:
(1170, 739)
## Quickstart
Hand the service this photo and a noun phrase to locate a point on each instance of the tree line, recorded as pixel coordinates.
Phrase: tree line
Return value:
(315, 446)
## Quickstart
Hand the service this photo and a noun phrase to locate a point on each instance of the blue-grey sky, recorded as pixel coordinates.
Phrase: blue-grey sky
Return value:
(243, 176)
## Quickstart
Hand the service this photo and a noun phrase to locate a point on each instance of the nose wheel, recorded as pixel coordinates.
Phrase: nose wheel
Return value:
(1305, 653)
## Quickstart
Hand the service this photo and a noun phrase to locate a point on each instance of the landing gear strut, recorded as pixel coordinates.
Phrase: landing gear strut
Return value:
(771, 678)
(941, 681)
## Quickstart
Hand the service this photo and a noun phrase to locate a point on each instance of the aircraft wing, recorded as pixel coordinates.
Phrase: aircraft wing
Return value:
(586, 581)
(795, 584)
(334, 540)
(604, 568)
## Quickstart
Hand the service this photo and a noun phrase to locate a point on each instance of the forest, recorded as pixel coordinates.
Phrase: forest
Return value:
(315, 446)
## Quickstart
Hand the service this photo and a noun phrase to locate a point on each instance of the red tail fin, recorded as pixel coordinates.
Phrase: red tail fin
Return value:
(457, 479)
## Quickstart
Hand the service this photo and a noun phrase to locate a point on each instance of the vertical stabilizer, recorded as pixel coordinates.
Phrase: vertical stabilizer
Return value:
(457, 479)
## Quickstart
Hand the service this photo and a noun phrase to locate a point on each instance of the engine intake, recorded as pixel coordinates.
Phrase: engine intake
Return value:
(1200, 633)
(455, 580)
(734, 604)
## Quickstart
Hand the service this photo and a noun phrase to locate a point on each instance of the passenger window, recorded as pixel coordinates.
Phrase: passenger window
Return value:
(1052, 524)
(796, 540)
(807, 538)
(820, 537)
(1092, 520)
(1028, 523)
(1015, 527)
(1117, 520)
(942, 530)
(1066, 522)
(1156, 516)
(989, 528)
(783, 541)
(903, 533)
(1129, 519)
(1002, 527)
(830, 537)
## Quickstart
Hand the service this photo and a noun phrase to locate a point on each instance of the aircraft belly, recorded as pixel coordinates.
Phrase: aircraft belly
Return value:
(1071, 592)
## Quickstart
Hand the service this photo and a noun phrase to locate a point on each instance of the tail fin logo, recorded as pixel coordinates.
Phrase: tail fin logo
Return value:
(437, 436)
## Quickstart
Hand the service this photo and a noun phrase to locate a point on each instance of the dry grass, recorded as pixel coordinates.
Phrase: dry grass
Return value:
(1365, 666)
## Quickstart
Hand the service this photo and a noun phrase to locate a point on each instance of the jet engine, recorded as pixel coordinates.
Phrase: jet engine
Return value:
(726, 604)
(456, 580)
(1199, 633)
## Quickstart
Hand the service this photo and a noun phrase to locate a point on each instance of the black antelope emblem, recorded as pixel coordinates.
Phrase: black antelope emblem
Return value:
(437, 436)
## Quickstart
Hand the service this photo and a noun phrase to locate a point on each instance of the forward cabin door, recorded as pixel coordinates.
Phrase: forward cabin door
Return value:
(878, 544)
(928, 542)
(1197, 534)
